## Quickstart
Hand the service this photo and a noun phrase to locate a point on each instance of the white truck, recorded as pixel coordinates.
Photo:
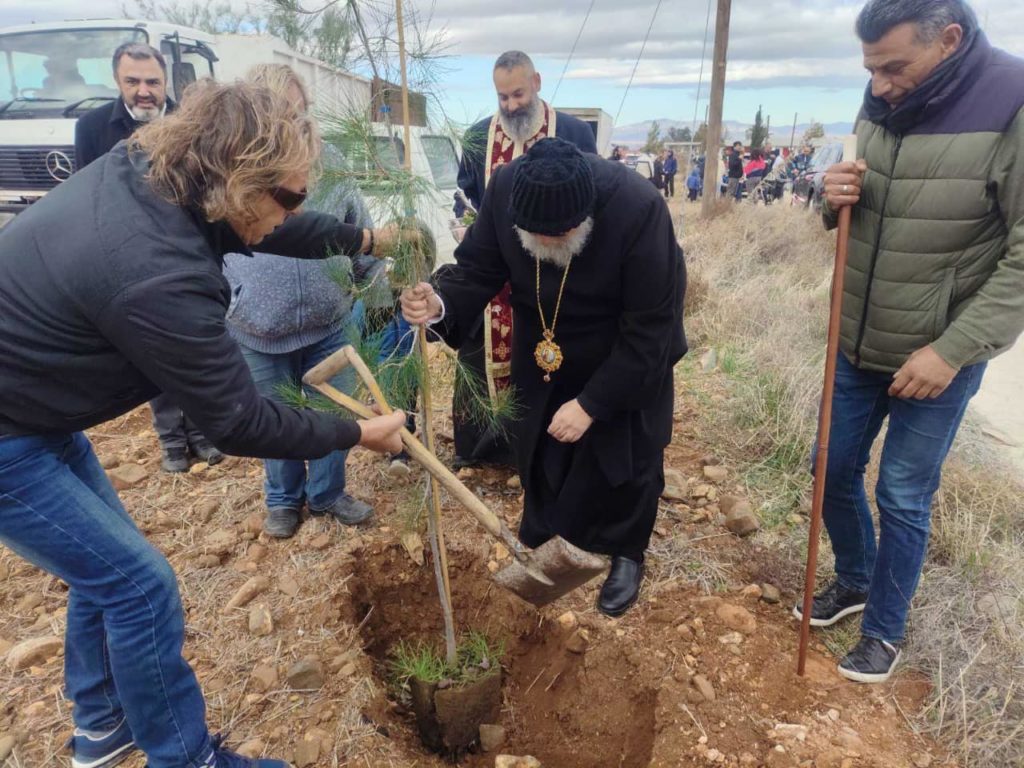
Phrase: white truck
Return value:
(600, 122)
(50, 74)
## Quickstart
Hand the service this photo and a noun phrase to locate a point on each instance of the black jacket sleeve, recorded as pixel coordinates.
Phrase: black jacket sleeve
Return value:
(476, 277)
(171, 327)
(583, 137)
(85, 143)
(313, 236)
(650, 339)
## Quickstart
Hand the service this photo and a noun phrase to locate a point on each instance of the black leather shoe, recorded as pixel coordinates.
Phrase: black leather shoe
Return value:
(622, 587)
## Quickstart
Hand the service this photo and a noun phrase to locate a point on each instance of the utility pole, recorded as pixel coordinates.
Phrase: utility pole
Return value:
(712, 148)
(767, 132)
(792, 136)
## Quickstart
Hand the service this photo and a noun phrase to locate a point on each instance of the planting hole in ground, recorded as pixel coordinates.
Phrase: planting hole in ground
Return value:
(564, 703)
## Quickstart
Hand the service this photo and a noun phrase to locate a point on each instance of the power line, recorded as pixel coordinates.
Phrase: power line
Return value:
(637, 64)
(578, 36)
(700, 77)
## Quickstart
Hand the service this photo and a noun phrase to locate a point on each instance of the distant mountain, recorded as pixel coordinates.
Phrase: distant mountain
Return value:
(635, 134)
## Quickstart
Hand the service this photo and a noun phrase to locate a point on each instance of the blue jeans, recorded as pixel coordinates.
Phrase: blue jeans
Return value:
(125, 625)
(287, 482)
(919, 437)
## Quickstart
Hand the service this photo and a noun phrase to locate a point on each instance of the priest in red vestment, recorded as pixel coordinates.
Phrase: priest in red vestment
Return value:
(523, 118)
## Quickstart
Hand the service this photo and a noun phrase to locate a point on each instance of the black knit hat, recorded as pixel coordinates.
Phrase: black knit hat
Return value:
(552, 189)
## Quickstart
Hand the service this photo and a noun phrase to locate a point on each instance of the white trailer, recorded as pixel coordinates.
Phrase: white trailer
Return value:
(50, 74)
(600, 123)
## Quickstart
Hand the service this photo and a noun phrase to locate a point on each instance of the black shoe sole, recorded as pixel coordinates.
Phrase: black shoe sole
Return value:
(849, 611)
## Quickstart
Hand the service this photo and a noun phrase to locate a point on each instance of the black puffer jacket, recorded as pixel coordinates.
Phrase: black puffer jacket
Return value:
(109, 294)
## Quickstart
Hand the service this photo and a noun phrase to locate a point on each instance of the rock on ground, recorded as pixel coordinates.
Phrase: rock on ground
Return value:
(307, 674)
(31, 652)
(676, 486)
(127, 476)
(737, 617)
(492, 737)
(514, 761)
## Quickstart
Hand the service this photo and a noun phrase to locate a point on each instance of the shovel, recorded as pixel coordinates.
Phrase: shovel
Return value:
(538, 576)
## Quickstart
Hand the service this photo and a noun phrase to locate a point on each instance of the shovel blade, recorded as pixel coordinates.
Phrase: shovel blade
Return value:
(566, 565)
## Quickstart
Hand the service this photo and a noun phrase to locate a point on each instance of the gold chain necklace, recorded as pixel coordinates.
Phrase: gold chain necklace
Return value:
(547, 353)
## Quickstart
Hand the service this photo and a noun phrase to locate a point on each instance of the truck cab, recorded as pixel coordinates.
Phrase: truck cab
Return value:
(51, 74)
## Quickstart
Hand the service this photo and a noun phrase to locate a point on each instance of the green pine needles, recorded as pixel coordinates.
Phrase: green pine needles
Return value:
(477, 657)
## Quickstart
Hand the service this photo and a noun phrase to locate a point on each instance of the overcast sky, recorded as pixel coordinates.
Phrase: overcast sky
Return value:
(792, 56)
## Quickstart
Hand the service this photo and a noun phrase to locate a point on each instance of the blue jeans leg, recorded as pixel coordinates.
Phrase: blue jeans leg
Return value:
(325, 483)
(289, 483)
(920, 435)
(284, 482)
(59, 512)
(859, 406)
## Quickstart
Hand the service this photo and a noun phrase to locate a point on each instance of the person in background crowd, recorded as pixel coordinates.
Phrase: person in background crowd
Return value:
(693, 184)
(802, 162)
(671, 169)
(735, 171)
(658, 173)
(754, 172)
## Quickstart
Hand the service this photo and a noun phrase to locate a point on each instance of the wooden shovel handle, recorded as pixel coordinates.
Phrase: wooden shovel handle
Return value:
(338, 361)
(433, 465)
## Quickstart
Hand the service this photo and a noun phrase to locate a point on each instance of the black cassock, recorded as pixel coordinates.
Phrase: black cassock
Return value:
(620, 330)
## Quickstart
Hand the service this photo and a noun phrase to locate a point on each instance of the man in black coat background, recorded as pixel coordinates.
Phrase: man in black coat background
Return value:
(597, 283)
(523, 118)
(141, 75)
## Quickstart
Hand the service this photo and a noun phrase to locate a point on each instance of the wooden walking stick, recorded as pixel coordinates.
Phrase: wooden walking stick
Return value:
(824, 432)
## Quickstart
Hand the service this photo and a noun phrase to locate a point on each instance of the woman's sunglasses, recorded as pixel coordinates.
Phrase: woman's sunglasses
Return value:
(287, 198)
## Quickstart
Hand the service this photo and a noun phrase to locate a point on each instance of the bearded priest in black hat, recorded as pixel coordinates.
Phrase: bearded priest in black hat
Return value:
(597, 283)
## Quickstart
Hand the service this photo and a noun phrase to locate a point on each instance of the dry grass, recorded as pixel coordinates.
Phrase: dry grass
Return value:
(764, 277)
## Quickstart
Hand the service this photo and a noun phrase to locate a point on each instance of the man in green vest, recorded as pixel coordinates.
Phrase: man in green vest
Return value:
(934, 289)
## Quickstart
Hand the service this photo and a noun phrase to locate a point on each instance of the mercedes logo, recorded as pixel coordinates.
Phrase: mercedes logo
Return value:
(58, 165)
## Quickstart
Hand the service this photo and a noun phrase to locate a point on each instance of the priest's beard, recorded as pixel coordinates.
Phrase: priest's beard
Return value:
(521, 124)
(559, 255)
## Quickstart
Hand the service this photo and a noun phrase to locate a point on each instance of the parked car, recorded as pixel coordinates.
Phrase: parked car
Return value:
(808, 187)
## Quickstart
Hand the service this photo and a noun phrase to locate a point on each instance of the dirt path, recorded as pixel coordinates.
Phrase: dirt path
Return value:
(1000, 403)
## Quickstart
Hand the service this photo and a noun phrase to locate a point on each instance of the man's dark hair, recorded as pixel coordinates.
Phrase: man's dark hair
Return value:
(738, 144)
(930, 16)
(512, 59)
(139, 52)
